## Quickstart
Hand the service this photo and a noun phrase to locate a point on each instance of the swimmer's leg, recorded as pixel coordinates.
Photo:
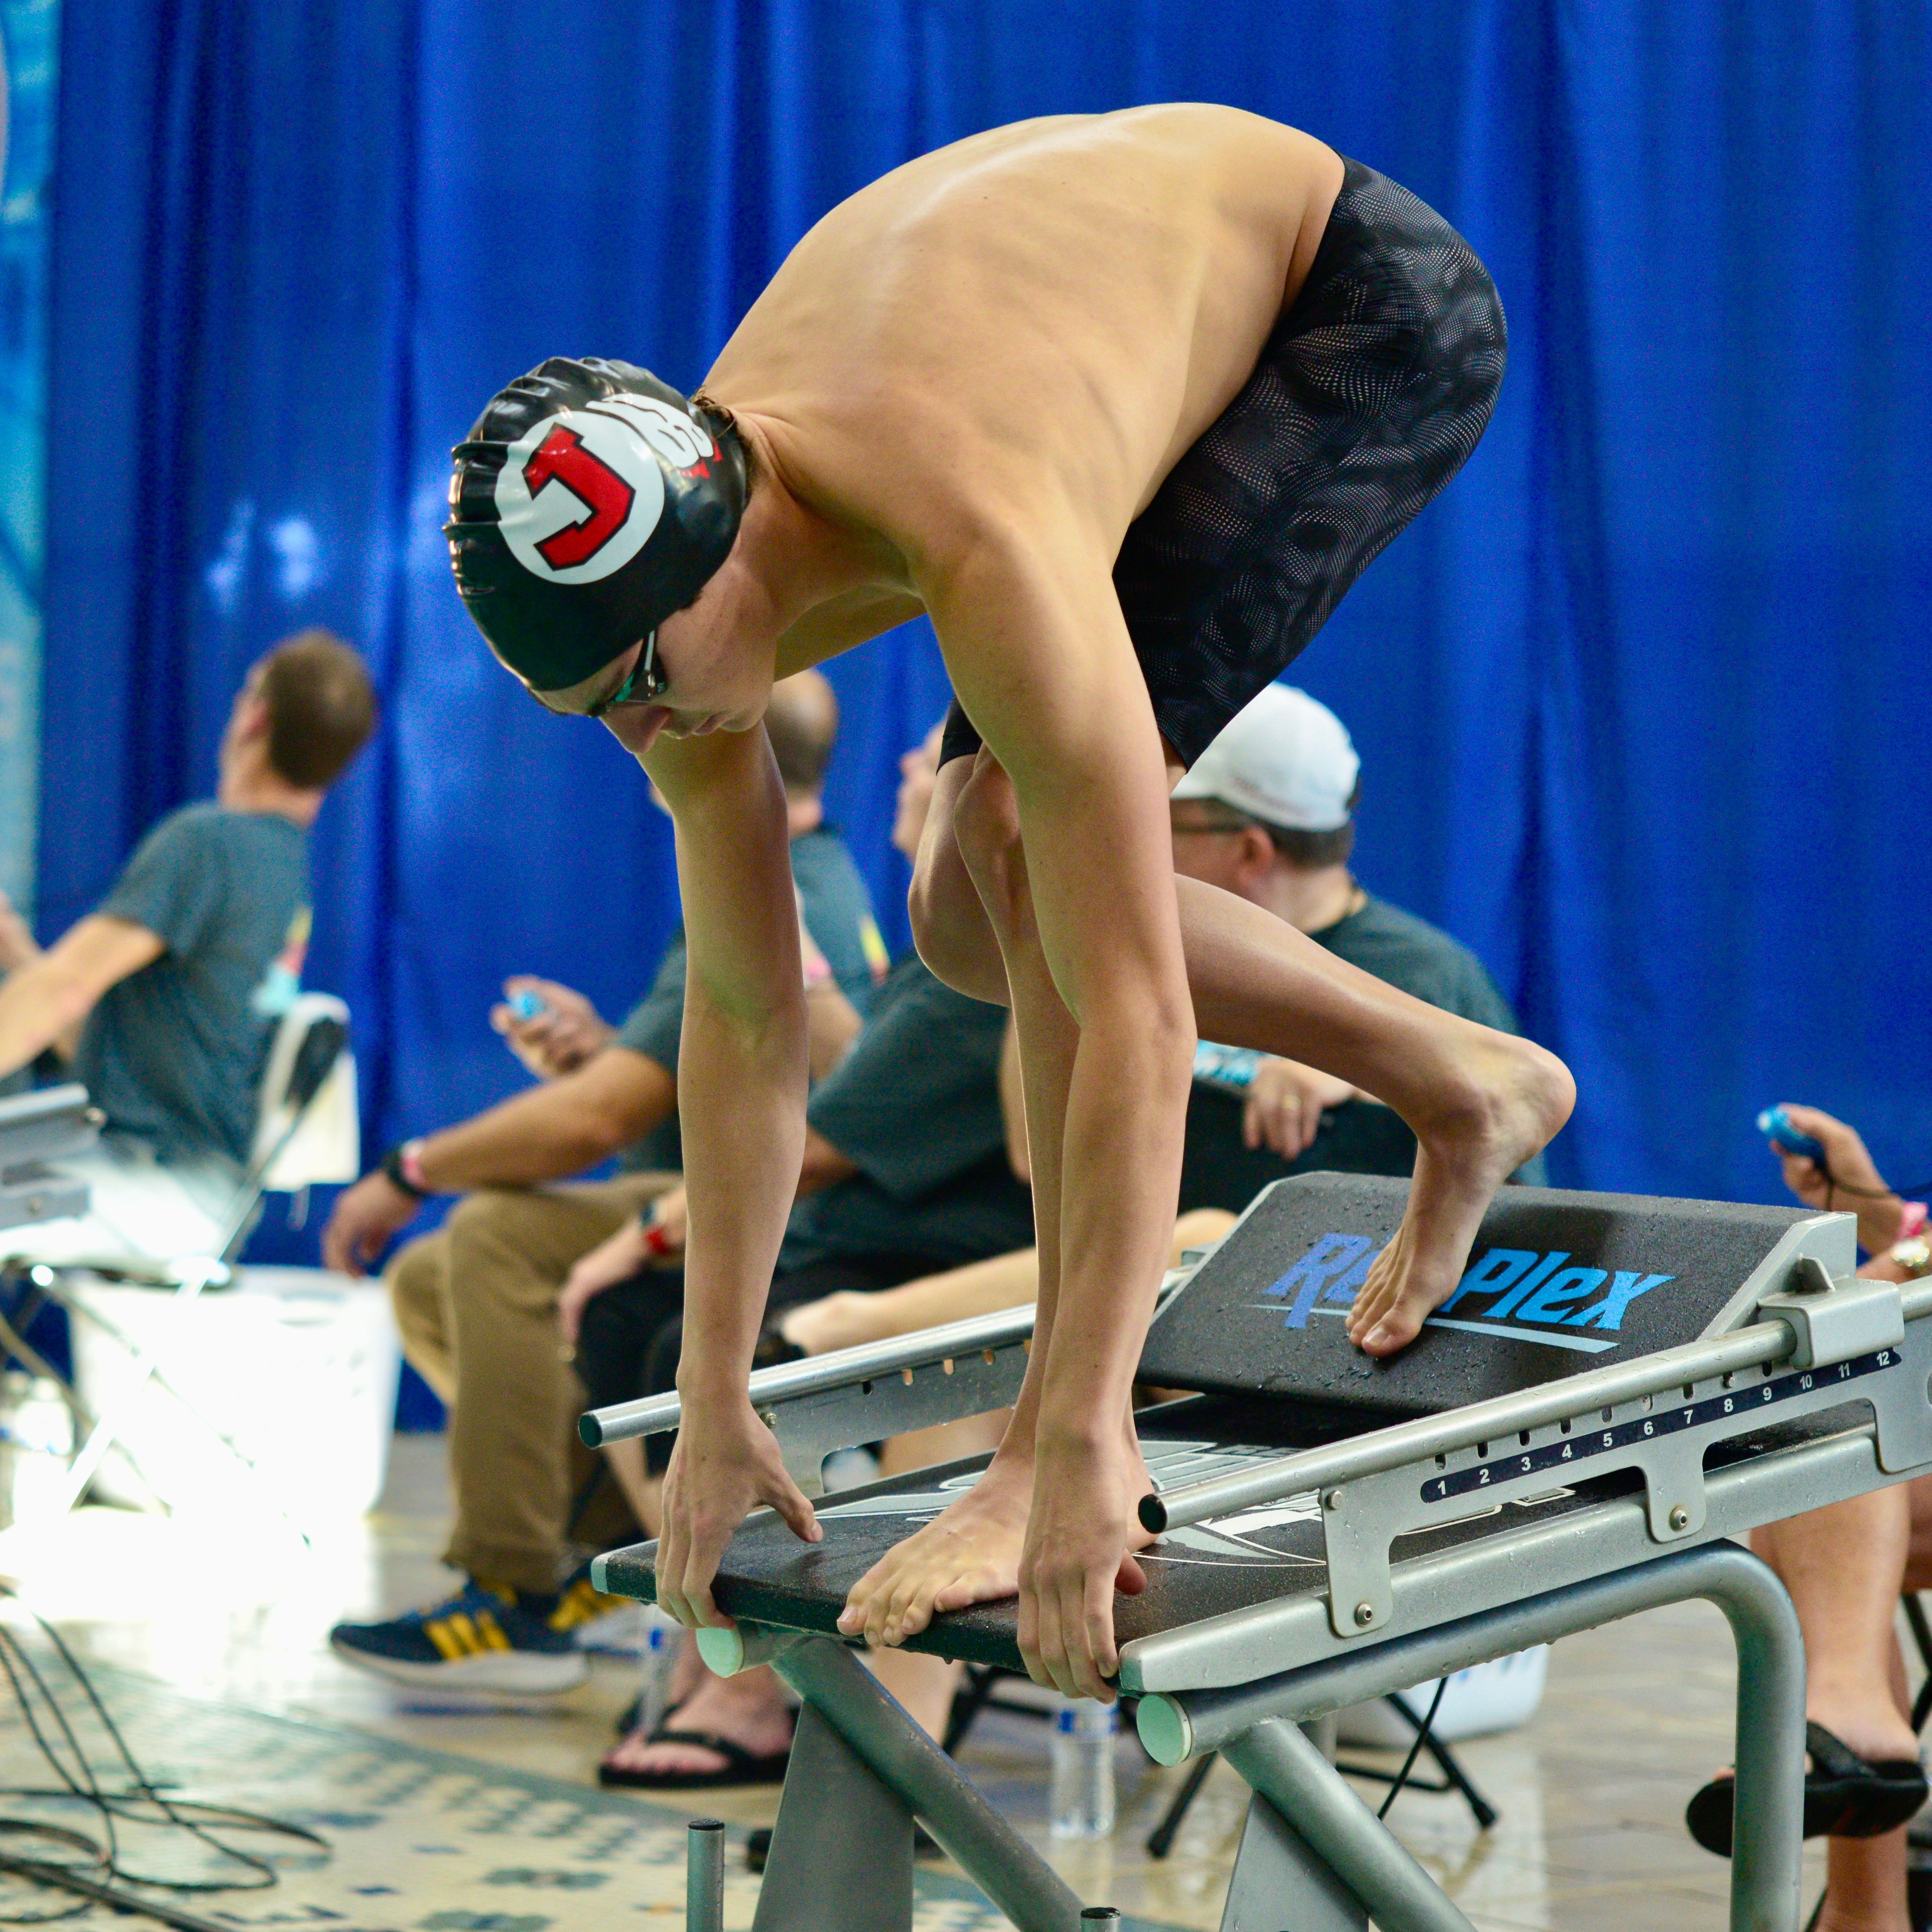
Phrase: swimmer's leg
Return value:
(1480, 1103)
(972, 1552)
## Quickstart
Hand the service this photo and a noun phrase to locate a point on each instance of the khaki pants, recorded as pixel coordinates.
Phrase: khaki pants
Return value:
(476, 1303)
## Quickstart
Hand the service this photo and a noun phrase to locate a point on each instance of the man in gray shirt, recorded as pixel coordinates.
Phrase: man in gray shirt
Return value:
(165, 998)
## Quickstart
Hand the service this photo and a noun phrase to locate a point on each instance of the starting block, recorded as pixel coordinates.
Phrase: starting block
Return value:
(1618, 1386)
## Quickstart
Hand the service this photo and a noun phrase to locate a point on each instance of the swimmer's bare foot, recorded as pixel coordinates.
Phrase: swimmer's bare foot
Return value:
(970, 1553)
(1516, 1098)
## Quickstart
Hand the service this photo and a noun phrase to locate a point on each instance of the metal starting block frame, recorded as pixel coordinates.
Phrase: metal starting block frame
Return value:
(38, 1127)
(826, 1403)
(1702, 1442)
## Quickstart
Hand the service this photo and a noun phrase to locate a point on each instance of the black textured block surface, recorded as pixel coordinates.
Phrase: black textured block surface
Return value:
(1558, 1283)
(1253, 1556)
(1227, 1563)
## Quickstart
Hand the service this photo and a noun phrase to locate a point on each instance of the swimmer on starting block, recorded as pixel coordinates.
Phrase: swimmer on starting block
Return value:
(1124, 403)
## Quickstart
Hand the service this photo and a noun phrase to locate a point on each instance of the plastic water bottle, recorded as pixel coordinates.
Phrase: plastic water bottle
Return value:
(1080, 1799)
(659, 1654)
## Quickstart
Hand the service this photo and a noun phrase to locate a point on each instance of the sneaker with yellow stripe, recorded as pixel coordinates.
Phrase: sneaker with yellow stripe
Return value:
(614, 1626)
(482, 1639)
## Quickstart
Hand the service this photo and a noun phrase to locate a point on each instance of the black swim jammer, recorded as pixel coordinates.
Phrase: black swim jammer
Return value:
(1374, 388)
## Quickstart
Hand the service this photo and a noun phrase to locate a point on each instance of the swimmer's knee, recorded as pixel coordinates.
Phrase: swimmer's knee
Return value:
(950, 926)
(986, 817)
(970, 838)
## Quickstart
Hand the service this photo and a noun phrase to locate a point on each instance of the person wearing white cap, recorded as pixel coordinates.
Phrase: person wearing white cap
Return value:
(1286, 760)
(1267, 812)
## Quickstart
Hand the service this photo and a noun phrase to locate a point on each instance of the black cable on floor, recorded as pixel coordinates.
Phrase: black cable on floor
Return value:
(1415, 1749)
(141, 1802)
(93, 1891)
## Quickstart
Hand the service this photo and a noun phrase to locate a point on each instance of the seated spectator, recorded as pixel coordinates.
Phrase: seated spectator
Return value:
(164, 1000)
(907, 1170)
(1846, 1567)
(476, 1301)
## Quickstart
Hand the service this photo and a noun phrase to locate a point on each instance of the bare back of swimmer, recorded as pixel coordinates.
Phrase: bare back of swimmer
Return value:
(1124, 402)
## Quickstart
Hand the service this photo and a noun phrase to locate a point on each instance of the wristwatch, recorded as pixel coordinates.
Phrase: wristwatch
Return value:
(404, 1166)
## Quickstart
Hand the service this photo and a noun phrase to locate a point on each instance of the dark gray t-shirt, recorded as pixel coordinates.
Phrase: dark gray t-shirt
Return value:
(916, 1106)
(174, 1052)
(839, 914)
(1217, 1171)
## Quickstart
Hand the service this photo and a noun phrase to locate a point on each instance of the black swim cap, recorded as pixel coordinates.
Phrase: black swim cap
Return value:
(590, 501)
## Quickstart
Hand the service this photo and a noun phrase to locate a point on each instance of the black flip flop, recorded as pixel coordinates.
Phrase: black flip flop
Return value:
(741, 1767)
(1845, 1796)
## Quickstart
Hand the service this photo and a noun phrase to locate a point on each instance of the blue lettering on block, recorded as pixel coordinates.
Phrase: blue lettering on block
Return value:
(1505, 1304)
(1609, 1313)
(1558, 1295)
(1350, 1285)
(1494, 1273)
(1332, 1256)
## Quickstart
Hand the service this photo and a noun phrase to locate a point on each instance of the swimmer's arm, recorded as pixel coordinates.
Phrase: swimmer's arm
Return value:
(742, 1064)
(1041, 658)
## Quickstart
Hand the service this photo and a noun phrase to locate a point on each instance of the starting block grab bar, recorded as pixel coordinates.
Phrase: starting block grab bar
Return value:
(985, 1336)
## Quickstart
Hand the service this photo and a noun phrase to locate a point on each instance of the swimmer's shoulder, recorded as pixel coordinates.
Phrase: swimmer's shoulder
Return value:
(966, 345)
(1013, 204)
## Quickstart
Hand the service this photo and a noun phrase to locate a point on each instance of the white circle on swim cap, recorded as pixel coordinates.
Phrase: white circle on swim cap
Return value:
(1285, 758)
(580, 493)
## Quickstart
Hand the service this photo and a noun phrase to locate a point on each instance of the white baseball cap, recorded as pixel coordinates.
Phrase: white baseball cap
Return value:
(1285, 759)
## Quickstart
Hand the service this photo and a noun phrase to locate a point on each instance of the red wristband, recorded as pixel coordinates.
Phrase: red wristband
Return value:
(657, 1242)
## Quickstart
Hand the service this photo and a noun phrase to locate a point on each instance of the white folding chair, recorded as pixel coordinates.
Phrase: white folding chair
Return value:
(153, 1226)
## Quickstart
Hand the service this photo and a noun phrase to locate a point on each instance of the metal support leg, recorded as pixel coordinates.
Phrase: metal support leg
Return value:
(1768, 1839)
(840, 1690)
(1279, 1880)
(841, 1856)
(1770, 1703)
(1160, 1839)
(968, 1703)
(1286, 1770)
(1921, 1637)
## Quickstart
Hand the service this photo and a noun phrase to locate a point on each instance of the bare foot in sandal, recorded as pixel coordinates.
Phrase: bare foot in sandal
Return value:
(734, 1730)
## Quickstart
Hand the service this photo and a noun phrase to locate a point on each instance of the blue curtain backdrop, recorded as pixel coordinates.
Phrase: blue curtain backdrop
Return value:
(1640, 700)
